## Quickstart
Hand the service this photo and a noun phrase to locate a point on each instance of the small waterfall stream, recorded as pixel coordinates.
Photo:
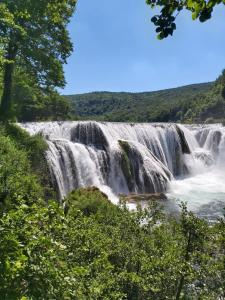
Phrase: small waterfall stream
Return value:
(124, 158)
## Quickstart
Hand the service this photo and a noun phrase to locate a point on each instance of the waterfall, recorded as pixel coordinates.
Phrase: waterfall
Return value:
(123, 158)
(203, 190)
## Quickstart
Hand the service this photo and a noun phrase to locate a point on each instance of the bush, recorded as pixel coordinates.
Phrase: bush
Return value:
(16, 178)
(35, 147)
(100, 251)
(88, 201)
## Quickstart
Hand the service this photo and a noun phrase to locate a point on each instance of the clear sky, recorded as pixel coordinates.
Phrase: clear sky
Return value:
(115, 49)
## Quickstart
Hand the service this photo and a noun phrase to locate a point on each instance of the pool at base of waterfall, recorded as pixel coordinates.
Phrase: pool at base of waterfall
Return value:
(203, 193)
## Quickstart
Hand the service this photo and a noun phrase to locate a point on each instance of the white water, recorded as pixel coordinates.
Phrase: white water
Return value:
(186, 162)
(203, 193)
(204, 189)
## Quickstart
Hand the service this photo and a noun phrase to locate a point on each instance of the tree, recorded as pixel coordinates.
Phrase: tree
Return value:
(165, 22)
(220, 84)
(34, 36)
(30, 103)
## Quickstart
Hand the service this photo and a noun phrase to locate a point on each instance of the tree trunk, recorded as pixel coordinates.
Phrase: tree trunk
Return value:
(6, 101)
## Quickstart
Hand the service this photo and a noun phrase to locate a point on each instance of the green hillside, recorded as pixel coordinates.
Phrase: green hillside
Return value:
(187, 104)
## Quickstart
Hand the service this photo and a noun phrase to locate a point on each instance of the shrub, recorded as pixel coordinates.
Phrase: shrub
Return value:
(88, 201)
(35, 147)
(16, 178)
(111, 254)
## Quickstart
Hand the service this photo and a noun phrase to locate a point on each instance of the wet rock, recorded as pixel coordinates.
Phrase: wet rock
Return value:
(139, 177)
(184, 145)
(89, 133)
(136, 198)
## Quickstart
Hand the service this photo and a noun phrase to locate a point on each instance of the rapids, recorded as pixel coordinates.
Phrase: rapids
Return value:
(186, 162)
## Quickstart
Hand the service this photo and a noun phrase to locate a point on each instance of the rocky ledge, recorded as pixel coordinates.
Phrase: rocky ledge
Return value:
(135, 198)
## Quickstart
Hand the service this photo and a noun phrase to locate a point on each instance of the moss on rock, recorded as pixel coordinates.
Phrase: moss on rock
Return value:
(126, 165)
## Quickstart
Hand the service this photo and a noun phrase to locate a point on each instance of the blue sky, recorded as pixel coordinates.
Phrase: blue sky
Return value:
(115, 49)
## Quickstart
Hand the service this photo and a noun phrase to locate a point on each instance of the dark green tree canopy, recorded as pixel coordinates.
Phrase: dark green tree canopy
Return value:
(33, 33)
(34, 36)
(165, 21)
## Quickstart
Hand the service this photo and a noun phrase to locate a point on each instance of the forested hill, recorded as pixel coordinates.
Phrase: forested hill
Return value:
(175, 104)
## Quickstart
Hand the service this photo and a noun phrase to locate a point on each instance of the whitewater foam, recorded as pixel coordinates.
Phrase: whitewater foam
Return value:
(187, 162)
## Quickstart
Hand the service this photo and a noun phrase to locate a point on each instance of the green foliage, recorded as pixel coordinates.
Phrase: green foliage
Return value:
(162, 106)
(88, 201)
(35, 145)
(107, 252)
(189, 104)
(165, 22)
(30, 103)
(32, 149)
(7, 20)
(29, 262)
(34, 37)
(37, 31)
(16, 178)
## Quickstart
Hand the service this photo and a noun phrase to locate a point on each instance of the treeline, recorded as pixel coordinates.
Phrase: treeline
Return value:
(189, 104)
(32, 103)
(88, 248)
(136, 107)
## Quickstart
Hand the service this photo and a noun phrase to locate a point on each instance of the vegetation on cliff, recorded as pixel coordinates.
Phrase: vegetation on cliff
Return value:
(194, 103)
(161, 106)
(23, 169)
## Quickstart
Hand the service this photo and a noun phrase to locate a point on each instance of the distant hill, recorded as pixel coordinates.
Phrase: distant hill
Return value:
(183, 104)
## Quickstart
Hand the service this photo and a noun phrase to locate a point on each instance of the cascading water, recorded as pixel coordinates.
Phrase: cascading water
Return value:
(122, 158)
(204, 189)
